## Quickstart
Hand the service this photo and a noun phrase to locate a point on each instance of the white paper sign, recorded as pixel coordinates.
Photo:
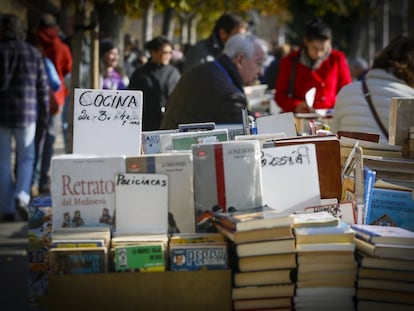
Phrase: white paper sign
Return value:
(290, 177)
(141, 203)
(107, 122)
(278, 123)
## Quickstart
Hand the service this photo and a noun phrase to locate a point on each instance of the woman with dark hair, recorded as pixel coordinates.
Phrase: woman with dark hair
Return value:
(113, 77)
(156, 79)
(391, 75)
(315, 65)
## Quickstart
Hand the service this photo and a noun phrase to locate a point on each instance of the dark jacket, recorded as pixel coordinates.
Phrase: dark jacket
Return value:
(156, 82)
(211, 92)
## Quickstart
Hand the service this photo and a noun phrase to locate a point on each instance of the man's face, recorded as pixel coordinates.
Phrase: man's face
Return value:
(317, 48)
(251, 68)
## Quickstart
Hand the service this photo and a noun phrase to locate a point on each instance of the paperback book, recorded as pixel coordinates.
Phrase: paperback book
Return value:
(143, 257)
(384, 234)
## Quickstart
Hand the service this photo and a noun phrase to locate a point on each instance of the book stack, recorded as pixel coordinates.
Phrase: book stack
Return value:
(263, 258)
(386, 267)
(198, 251)
(327, 269)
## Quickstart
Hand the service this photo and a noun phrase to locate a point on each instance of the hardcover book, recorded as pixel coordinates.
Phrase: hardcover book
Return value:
(328, 234)
(83, 190)
(344, 210)
(328, 155)
(179, 169)
(251, 220)
(386, 274)
(142, 203)
(218, 172)
(384, 234)
(367, 261)
(201, 237)
(265, 291)
(311, 247)
(318, 219)
(263, 277)
(275, 233)
(384, 295)
(267, 262)
(266, 248)
(290, 167)
(262, 303)
(199, 256)
(391, 208)
(80, 260)
(397, 251)
(144, 257)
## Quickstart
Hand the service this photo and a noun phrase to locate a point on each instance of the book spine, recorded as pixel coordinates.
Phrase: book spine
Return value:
(369, 180)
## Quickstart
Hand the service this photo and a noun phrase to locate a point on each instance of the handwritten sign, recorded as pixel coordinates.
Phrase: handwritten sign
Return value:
(141, 203)
(107, 122)
(290, 177)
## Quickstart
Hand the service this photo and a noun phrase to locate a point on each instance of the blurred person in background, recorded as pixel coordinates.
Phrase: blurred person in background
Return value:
(391, 75)
(112, 76)
(157, 78)
(24, 100)
(59, 53)
(359, 67)
(209, 49)
(315, 64)
(213, 92)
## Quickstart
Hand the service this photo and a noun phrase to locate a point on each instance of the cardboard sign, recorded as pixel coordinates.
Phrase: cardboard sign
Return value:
(107, 122)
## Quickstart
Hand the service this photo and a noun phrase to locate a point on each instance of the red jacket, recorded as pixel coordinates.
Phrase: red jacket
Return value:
(328, 79)
(59, 53)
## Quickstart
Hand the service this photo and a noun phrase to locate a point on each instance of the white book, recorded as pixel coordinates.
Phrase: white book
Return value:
(179, 168)
(107, 122)
(142, 203)
(283, 122)
(151, 141)
(83, 190)
(290, 177)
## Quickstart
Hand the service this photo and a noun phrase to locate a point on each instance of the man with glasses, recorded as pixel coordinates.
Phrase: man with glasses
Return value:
(213, 92)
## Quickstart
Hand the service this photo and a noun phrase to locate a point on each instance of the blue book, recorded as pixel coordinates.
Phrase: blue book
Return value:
(369, 181)
(391, 208)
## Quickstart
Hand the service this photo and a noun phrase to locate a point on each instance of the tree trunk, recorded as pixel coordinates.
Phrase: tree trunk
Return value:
(168, 23)
(147, 23)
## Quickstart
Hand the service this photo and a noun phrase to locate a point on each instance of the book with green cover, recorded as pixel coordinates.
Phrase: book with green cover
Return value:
(148, 257)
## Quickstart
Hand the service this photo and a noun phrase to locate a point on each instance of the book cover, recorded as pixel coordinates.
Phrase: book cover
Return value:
(144, 257)
(80, 260)
(184, 140)
(218, 172)
(115, 115)
(397, 251)
(262, 303)
(199, 256)
(151, 141)
(344, 210)
(179, 169)
(266, 248)
(401, 119)
(286, 168)
(265, 291)
(341, 233)
(251, 220)
(391, 208)
(318, 219)
(328, 155)
(275, 233)
(142, 203)
(263, 277)
(267, 262)
(83, 190)
(384, 234)
(369, 182)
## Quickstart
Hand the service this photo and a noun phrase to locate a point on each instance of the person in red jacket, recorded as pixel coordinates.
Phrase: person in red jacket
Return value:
(315, 64)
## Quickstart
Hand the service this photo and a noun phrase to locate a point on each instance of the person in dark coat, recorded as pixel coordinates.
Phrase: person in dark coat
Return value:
(213, 92)
(157, 78)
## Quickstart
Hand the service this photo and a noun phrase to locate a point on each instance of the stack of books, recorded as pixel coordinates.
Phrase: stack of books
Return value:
(263, 258)
(386, 267)
(327, 269)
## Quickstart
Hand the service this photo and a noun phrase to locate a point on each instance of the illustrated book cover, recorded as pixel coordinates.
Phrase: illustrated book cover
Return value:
(384, 234)
(143, 257)
(179, 169)
(83, 190)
